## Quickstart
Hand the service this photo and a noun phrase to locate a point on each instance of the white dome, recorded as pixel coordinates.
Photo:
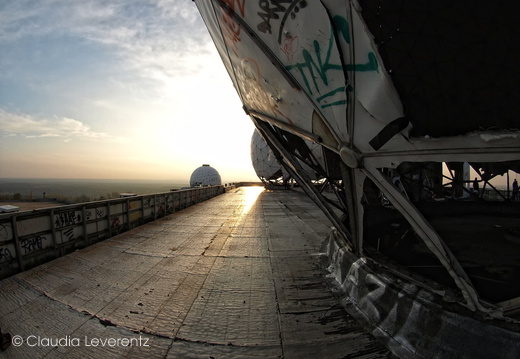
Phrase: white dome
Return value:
(267, 166)
(205, 176)
(264, 161)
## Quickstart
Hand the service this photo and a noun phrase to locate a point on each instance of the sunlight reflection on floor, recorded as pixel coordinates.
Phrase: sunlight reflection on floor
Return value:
(251, 195)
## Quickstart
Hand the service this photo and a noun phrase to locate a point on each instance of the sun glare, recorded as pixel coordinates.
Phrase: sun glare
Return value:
(251, 195)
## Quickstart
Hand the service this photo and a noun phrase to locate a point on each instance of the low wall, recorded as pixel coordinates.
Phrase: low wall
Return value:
(30, 238)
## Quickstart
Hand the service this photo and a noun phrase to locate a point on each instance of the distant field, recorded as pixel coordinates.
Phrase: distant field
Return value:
(71, 189)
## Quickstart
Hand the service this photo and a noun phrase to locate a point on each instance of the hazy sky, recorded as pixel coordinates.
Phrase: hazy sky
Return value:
(122, 89)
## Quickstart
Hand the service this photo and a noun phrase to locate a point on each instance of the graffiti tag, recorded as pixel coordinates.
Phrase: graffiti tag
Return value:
(5, 255)
(32, 244)
(66, 219)
(318, 64)
(115, 222)
(5, 230)
(69, 233)
(231, 29)
(276, 9)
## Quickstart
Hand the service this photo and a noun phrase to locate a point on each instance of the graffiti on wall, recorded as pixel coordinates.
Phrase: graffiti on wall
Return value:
(393, 308)
(5, 255)
(277, 10)
(5, 235)
(69, 234)
(66, 219)
(231, 30)
(319, 64)
(32, 244)
(317, 67)
(5, 231)
(68, 224)
(116, 221)
(290, 47)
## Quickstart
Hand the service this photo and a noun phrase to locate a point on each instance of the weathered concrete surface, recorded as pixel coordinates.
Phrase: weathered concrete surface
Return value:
(239, 275)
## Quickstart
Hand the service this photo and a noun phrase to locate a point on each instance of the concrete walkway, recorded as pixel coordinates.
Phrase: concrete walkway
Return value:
(239, 275)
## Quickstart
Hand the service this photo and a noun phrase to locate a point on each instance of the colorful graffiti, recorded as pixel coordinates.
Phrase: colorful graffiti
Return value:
(317, 65)
(231, 29)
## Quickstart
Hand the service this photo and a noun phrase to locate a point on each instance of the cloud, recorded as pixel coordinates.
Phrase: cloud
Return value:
(60, 54)
(82, 79)
(155, 36)
(17, 124)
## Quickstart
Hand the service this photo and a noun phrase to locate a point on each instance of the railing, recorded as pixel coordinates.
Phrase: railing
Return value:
(30, 238)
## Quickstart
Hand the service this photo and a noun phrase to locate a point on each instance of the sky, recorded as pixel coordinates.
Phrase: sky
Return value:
(116, 89)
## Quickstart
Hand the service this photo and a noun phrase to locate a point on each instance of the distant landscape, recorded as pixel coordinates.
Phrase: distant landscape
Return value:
(79, 190)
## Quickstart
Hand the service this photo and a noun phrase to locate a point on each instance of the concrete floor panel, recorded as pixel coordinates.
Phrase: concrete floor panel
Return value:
(237, 276)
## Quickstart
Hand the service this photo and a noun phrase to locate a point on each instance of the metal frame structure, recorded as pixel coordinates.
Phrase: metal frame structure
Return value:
(347, 75)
